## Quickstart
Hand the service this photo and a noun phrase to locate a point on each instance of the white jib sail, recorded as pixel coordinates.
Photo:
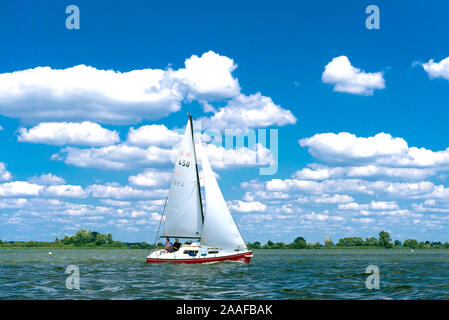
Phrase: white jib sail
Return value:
(219, 229)
(183, 212)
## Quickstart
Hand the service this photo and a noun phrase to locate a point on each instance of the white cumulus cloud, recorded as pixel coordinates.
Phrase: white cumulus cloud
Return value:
(437, 69)
(347, 78)
(47, 179)
(117, 157)
(19, 188)
(153, 135)
(208, 77)
(5, 175)
(247, 206)
(66, 191)
(321, 172)
(150, 178)
(85, 93)
(253, 111)
(345, 146)
(124, 192)
(69, 133)
(381, 154)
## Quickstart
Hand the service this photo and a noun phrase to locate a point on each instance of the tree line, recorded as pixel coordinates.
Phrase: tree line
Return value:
(81, 239)
(93, 239)
(383, 241)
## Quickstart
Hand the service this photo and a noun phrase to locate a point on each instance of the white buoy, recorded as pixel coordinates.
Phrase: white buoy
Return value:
(412, 250)
(50, 252)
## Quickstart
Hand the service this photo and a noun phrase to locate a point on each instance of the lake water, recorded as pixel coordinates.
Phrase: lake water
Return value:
(272, 274)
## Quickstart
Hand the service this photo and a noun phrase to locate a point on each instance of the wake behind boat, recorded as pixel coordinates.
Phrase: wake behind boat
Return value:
(213, 227)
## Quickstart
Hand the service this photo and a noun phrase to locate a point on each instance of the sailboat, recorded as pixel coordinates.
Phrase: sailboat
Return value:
(213, 234)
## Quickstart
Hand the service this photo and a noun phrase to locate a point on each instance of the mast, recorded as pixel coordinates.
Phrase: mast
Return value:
(196, 168)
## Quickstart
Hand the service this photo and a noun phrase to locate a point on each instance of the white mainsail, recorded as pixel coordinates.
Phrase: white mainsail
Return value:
(219, 229)
(184, 213)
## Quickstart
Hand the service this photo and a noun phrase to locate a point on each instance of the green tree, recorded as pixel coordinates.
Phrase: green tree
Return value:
(437, 245)
(109, 239)
(117, 244)
(350, 242)
(298, 243)
(81, 237)
(299, 239)
(384, 239)
(255, 245)
(100, 239)
(67, 240)
(301, 244)
(328, 242)
(313, 245)
(145, 245)
(93, 236)
(397, 243)
(410, 243)
(281, 245)
(371, 242)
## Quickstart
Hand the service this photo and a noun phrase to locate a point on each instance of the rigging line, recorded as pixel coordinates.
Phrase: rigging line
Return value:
(196, 167)
(160, 222)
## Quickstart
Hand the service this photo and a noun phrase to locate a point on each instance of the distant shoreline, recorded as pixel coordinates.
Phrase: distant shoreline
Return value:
(86, 239)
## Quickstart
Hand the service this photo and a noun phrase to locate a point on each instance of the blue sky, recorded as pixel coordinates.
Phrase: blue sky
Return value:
(258, 64)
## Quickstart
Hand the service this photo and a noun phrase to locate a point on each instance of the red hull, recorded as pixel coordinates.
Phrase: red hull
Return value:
(244, 257)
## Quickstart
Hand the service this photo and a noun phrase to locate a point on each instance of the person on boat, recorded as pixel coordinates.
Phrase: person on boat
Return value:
(168, 245)
(176, 245)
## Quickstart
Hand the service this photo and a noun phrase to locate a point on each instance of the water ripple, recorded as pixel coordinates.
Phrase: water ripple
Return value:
(273, 274)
